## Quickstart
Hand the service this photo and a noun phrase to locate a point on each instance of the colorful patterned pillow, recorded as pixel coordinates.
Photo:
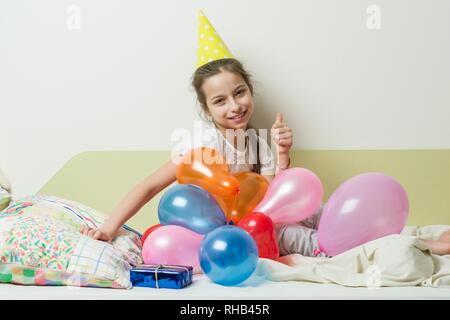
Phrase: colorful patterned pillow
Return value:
(41, 244)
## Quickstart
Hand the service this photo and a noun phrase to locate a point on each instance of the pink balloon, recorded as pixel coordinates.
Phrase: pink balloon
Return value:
(172, 245)
(364, 208)
(293, 195)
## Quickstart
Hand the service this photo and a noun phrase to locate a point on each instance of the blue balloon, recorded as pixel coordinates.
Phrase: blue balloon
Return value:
(192, 207)
(228, 255)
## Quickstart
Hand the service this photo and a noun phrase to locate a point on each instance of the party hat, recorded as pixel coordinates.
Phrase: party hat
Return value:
(210, 45)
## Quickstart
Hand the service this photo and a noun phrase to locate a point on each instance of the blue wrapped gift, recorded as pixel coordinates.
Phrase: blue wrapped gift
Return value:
(161, 276)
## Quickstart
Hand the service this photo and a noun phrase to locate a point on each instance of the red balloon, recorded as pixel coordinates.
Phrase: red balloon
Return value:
(148, 231)
(262, 230)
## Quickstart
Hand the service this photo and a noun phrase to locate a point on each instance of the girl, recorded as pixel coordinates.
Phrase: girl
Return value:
(225, 94)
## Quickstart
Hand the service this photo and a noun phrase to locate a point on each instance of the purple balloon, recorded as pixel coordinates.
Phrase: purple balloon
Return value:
(364, 208)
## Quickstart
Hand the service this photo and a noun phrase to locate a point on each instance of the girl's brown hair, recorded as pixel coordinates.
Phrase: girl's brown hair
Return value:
(215, 67)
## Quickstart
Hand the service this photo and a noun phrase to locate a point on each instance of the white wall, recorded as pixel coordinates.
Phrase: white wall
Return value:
(121, 81)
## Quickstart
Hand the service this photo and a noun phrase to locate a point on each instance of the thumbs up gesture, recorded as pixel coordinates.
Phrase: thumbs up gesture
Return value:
(281, 135)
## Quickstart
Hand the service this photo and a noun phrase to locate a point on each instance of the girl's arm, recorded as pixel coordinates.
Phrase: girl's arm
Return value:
(283, 163)
(282, 136)
(142, 193)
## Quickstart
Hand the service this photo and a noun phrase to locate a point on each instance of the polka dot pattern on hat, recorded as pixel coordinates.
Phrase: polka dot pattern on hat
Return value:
(210, 45)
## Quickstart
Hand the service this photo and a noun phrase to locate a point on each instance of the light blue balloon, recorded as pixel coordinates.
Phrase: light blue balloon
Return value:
(228, 255)
(192, 207)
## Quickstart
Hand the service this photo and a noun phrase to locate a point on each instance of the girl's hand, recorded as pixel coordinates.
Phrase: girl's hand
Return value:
(97, 233)
(281, 135)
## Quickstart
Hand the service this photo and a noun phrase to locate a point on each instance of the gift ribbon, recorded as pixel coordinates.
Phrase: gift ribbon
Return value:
(166, 266)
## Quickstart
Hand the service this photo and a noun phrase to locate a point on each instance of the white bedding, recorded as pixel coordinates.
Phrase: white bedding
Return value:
(392, 261)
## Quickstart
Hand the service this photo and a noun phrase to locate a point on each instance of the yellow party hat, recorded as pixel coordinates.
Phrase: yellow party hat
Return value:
(210, 45)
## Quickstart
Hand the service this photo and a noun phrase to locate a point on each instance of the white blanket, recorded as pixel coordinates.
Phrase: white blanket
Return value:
(396, 260)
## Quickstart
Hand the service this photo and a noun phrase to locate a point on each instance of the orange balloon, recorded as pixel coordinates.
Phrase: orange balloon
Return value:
(226, 204)
(252, 188)
(207, 168)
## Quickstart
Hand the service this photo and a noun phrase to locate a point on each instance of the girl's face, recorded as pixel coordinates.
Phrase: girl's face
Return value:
(229, 100)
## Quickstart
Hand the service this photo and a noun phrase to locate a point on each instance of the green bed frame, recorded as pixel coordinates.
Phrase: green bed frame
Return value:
(101, 178)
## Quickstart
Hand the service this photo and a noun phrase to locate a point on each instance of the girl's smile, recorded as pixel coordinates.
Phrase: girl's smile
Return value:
(239, 117)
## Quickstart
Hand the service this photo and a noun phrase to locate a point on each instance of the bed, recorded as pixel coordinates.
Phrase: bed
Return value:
(99, 179)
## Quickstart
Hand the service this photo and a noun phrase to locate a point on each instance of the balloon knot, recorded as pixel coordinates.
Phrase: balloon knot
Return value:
(316, 252)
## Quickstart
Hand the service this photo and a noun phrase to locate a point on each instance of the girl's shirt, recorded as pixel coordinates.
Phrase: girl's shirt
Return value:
(237, 160)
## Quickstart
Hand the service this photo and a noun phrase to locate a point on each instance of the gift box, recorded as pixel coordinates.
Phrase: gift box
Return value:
(161, 276)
